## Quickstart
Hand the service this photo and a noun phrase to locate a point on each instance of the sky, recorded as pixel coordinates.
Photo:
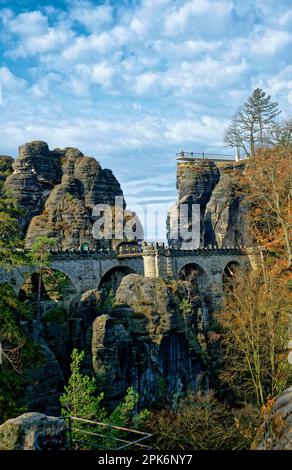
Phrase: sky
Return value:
(131, 83)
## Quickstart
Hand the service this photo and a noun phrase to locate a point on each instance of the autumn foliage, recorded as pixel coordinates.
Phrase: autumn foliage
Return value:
(267, 183)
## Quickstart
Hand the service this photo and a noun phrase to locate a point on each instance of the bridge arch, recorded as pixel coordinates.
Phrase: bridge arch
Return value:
(230, 271)
(194, 273)
(54, 285)
(112, 278)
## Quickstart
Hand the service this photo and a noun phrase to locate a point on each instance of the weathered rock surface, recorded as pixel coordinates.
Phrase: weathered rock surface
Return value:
(224, 221)
(57, 190)
(146, 343)
(33, 431)
(84, 311)
(276, 431)
(215, 188)
(43, 385)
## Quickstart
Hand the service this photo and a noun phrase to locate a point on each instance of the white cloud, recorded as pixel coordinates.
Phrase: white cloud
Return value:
(138, 26)
(286, 18)
(185, 49)
(136, 81)
(208, 73)
(182, 18)
(29, 24)
(9, 81)
(93, 18)
(102, 74)
(270, 41)
(145, 81)
(207, 129)
(35, 35)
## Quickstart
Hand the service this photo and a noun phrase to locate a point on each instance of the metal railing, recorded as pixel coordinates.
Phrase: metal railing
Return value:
(208, 156)
(88, 434)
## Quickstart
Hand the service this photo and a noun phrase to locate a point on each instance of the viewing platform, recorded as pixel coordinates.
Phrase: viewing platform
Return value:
(209, 157)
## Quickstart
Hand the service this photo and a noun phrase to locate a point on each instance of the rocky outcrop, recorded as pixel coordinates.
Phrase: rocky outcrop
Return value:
(57, 190)
(195, 183)
(36, 171)
(34, 431)
(216, 188)
(224, 220)
(146, 342)
(42, 384)
(84, 311)
(276, 431)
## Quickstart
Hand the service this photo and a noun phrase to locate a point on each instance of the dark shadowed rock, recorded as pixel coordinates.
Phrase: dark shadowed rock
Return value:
(146, 343)
(33, 431)
(43, 384)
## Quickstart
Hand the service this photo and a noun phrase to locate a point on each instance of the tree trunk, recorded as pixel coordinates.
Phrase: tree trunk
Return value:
(252, 144)
(38, 315)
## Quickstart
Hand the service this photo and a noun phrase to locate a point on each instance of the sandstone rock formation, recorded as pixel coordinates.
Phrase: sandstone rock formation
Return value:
(42, 384)
(276, 431)
(215, 187)
(224, 221)
(146, 342)
(57, 190)
(33, 431)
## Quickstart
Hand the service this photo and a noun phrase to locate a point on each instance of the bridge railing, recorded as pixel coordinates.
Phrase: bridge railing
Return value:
(146, 249)
(149, 248)
(189, 156)
(85, 434)
(97, 253)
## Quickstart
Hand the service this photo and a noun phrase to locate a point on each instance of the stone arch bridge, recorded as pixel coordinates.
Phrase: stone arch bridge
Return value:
(87, 269)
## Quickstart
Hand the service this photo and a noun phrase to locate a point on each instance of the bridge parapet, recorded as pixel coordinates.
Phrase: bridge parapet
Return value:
(209, 251)
(96, 254)
(162, 261)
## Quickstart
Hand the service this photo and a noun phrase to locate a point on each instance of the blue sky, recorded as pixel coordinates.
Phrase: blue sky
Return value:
(132, 83)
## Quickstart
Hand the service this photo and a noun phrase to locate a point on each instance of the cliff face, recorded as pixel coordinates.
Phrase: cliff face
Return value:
(146, 342)
(57, 190)
(215, 187)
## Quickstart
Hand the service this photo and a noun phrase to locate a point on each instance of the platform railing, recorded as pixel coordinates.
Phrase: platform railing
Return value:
(204, 155)
(85, 434)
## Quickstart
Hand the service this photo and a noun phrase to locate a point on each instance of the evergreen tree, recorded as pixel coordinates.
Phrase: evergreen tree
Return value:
(41, 258)
(11, 252)
(251, 122)
(79, 398)
(17, 352)
(264, 111)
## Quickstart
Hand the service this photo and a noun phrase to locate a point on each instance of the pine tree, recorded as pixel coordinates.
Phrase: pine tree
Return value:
(41, 258)
(79, 398)
(251, 122)
(11, 252)
(263, 111)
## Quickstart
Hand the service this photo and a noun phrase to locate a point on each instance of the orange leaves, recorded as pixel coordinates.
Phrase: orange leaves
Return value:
(267, 407)
(267, 182)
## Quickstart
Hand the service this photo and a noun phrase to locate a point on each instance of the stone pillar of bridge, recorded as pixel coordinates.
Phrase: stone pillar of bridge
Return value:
(157, 262)
(149, 259)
